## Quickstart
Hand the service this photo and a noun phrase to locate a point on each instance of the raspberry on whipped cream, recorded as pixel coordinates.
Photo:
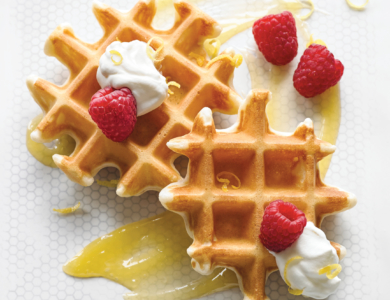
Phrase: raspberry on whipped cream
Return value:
(316, 252)
(135, 71)
(115, 112)
(282, 225)
(301, 250)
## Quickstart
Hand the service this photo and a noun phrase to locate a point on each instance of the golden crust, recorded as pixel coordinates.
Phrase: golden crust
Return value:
(144, 161)
(271, 165)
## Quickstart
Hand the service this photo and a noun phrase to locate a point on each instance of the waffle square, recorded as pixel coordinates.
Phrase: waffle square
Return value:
(143, 159)
(271, 165)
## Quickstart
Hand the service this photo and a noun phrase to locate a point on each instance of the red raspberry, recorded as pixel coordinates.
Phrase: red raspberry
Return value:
(115, 112)
(282, 225)
(276, 37)
(317, 71)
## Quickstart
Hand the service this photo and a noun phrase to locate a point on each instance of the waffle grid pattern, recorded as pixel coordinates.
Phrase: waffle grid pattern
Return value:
(143, 159)
(36, 242)
(225, 226)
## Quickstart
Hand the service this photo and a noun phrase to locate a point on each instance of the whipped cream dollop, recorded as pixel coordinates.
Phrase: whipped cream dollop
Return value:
(317, 253)
(136, 71)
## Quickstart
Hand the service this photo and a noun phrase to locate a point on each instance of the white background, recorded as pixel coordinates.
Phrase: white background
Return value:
(34, 242)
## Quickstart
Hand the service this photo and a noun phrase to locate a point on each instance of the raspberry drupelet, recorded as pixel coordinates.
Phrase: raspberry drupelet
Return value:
(282, 225)
(115, 112)
(276, 37)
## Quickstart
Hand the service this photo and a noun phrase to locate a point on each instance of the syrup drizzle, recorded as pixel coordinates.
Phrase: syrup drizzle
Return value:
(143, 256)
(65, 145)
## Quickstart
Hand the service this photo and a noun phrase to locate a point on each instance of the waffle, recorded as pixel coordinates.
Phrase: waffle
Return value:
(144, 161)
(271, 165)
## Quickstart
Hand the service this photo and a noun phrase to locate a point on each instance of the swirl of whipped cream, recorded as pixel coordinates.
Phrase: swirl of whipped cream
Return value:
(317, 253)
(136, 72)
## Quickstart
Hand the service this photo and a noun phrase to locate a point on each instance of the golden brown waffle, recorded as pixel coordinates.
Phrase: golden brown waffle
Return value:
(144, 161)
(271, 165)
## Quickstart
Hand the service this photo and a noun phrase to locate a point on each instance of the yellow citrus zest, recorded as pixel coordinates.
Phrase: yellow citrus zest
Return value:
(174, 83)
(108, 183)
(114, 52)
(118, 40)
(67, 210)
(318, 41)
(235, 61)
(212, 47)
(227, 181)
(199, 58)
(357, 7)
(290, 290)
(152, 53)
(308, 15)
(328, 270)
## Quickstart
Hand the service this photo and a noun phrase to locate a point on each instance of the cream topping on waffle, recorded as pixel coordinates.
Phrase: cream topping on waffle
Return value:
(135, 71)
(317, 253)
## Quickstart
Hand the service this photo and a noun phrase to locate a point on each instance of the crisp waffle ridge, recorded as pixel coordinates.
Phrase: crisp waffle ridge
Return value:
(271, 165)
(144, 161)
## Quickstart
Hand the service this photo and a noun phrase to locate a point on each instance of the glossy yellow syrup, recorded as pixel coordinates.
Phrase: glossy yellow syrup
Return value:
(331, 118)
(329, 103)
(146, 257)
(64, 145)
(330, 111)
(240, 22)
(329, 100)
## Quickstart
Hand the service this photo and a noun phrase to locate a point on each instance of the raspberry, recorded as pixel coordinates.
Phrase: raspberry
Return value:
(317, 71)
(282, 225)
(276, 37)
(115, 112)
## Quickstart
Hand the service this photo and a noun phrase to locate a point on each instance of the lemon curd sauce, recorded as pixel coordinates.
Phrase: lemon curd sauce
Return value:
(146, 256)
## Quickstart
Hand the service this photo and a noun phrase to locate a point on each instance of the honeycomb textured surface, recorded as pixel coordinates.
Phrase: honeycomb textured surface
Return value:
(35, 242)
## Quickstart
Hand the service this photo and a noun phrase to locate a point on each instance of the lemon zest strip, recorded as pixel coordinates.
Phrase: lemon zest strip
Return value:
(317, 41)
(118, 40)
(199, 58)
(226, 181)
(211, 50)
(357, 7)
(290, 290)
(67, 210)
(108, 183)
(151, 52)
(328, 270)
(114, 52)
(235, 61)
(174, 83)
(308, 15)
